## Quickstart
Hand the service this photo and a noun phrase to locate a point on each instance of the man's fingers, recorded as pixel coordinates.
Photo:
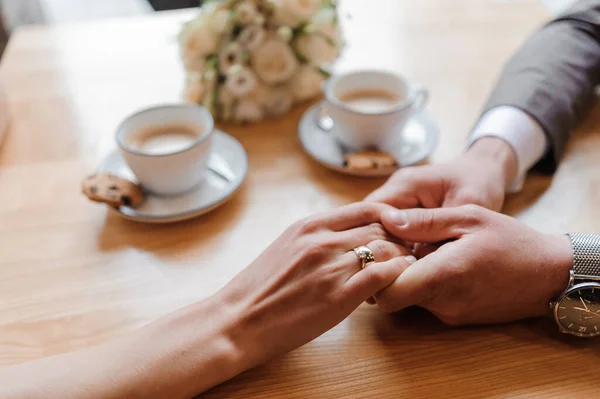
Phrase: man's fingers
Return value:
(390, 193)
(431, 225)
(417, 284)
(411, 188)
(349, 216)
(376, 276)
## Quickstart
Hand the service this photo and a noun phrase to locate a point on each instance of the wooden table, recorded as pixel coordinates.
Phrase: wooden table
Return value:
(73, 274)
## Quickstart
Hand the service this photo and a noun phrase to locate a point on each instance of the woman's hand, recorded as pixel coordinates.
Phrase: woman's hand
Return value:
(305, 283)
(310, 279)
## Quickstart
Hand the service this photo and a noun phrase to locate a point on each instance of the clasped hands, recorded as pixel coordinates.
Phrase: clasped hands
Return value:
(437, 241)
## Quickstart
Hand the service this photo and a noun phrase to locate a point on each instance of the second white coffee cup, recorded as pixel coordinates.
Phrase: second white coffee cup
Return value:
(169, 173)
(370, 108)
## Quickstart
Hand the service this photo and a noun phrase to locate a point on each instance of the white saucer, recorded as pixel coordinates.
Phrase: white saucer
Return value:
(228, 166)
(419, 139)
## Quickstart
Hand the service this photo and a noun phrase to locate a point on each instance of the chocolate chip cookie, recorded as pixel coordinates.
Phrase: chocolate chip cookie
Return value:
(369, 160)
(112, 190)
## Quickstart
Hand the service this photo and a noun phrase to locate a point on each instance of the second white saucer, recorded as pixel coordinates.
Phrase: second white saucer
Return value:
(419, 139)
(228, 166)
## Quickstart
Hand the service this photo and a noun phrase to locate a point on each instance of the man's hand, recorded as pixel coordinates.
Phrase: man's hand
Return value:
(490, 268)
(479, 177)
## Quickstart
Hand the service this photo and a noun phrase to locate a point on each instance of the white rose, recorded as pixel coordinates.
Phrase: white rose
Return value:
(295, 12)
(278, 101)
(246, 13)
(260, 94)
(248, 111)
(326, 16)
(241, 82)
(274, 62)
(232, 54)
(319, 47)
(252, 37)
(260, 19)
(194, 90)
(321, 43)
(220, 21)
(306, 83)
(197, 40)
(209, 8)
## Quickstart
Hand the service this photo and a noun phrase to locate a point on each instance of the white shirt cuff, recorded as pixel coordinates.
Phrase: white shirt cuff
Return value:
(521, 131)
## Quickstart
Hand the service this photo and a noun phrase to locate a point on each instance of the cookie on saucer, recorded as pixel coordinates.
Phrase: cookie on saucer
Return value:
(112, 190)
(369, 160)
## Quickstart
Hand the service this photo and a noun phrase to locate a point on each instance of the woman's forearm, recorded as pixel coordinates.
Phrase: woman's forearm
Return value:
(304, 284)
(177, 356)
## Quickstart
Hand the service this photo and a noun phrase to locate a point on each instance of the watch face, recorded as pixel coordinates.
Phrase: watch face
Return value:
(578, 311)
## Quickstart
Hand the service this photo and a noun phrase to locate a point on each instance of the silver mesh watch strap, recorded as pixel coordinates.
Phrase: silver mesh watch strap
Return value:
(586, 255)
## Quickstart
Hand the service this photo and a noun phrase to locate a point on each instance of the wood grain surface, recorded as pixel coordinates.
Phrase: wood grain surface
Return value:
(73, 274)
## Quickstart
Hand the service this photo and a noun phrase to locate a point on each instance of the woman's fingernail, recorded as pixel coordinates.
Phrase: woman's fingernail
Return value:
(410, 259)
(397, 217)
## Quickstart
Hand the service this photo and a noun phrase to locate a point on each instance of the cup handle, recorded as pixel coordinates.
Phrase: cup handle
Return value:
(421, 98)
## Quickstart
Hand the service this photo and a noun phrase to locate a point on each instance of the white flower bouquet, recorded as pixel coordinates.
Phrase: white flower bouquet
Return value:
(248, 59)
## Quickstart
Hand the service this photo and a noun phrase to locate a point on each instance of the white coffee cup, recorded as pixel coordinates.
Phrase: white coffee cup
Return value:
(168, 173)
(371, 124)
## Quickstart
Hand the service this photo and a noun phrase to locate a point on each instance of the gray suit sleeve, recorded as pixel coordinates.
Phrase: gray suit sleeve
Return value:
(553, 76)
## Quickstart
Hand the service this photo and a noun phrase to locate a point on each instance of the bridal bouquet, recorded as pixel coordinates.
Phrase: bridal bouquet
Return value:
(248, 59)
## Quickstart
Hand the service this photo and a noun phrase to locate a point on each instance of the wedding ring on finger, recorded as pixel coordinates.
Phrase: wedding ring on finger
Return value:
(365, 255)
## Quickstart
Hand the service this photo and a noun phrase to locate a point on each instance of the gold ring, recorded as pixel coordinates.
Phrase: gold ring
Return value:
(365, 255)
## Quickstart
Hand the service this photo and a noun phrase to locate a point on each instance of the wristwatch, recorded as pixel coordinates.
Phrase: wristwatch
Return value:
(577, 310)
